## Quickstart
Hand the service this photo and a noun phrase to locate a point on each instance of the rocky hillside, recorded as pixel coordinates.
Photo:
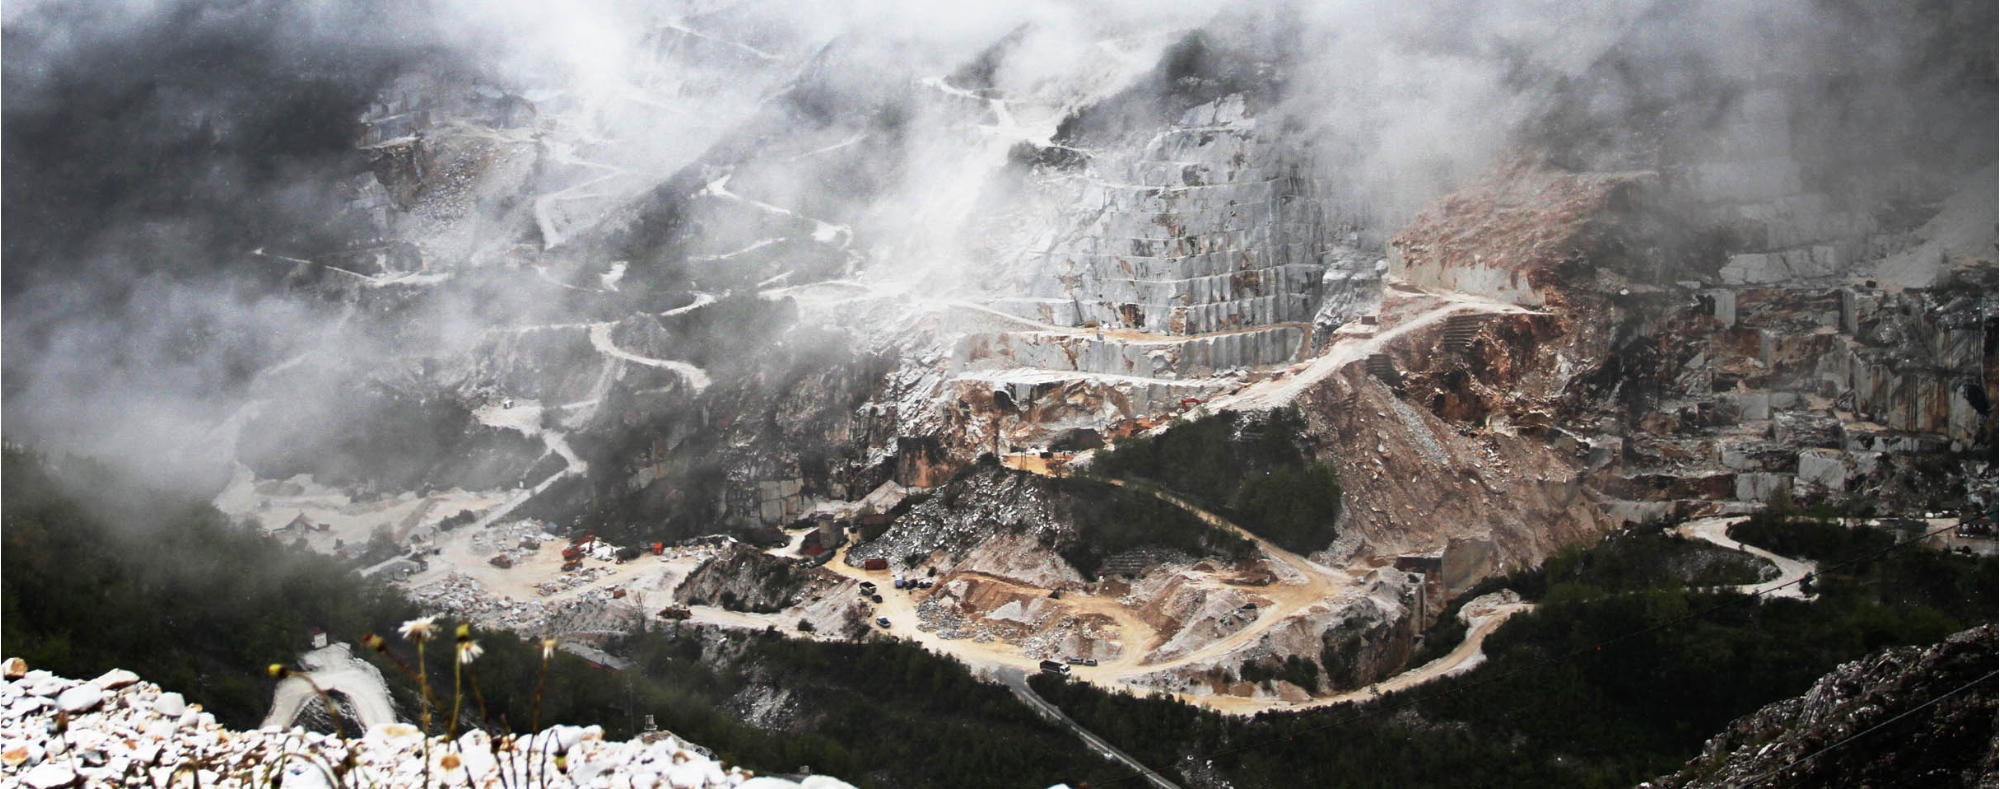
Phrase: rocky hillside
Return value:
(119, 731)
(1285, 325)
(1906, 716)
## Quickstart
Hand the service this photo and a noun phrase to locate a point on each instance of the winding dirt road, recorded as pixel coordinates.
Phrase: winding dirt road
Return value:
(1306, 584)
(1352, 349)
(1466, 657)
(600, 338)
(1790, 571)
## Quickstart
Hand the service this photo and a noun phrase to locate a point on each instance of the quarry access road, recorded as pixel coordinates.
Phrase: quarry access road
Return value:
(1137, 636)
(1790, 571)
(900, 607)
(1125, 334)
(600, 338)
(526, 418)
(1309, 585)
(1467, 656)
(1017, 681)
(1352, 349)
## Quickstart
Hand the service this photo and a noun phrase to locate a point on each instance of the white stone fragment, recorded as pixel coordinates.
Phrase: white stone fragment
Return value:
(80, 698)
(115, 679)
(170, 705)
(139, 735)
(50, 775)
(42, 683)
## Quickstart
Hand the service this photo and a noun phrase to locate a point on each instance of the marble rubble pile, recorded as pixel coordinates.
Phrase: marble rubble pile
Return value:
(119, 731)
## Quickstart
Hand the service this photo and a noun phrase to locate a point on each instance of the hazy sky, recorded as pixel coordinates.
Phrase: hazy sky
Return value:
(150, 146)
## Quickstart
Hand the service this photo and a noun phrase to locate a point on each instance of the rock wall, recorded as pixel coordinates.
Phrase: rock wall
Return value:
(1147, 358)
(1205, 226)
(1463, 450)
(1525, 234)
(742, 578)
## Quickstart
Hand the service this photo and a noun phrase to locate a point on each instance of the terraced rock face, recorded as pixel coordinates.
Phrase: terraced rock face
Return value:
(1206, 226)
(1189, 249)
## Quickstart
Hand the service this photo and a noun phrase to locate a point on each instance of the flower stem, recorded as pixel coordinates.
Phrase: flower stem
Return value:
(457, 695)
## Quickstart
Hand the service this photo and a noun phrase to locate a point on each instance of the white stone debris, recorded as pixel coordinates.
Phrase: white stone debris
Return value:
(119, 731)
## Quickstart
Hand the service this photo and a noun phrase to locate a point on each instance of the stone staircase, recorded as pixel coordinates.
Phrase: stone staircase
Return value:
(1459, 331)
(1384, 369)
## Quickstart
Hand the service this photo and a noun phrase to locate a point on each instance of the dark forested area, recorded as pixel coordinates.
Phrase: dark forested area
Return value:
(1252, 470)
(1619, 675)
(165, 586)
(1111, 519)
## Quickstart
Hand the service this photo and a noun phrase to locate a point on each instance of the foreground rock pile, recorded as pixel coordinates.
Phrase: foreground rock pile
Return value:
(1904, 716)
(118, 731)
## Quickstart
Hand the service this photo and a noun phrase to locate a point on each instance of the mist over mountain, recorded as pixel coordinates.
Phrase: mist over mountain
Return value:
(1246, 353)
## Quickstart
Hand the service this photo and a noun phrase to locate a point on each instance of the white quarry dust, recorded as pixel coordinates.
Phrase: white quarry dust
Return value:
(1302, 584)
(518, 583)
(1963, 230)
(275, 503)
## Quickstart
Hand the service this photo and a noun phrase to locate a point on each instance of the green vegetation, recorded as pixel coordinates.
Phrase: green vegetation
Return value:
(1251, 470)
(1636, 560)
(880, 713)
(1294, 669)
(1856, 571)
(1111, 519)
(1818, 538)
(166, 587)
(1618, 676)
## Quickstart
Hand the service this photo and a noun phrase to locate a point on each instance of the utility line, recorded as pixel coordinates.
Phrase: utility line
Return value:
(1858, 735)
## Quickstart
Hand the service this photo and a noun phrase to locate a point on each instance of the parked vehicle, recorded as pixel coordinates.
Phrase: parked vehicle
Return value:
(883, 621)
(1052, 667)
